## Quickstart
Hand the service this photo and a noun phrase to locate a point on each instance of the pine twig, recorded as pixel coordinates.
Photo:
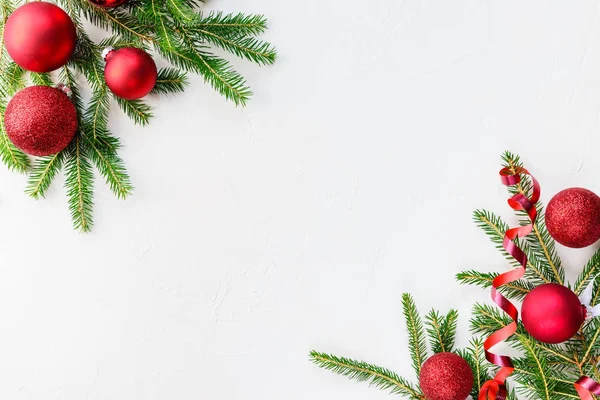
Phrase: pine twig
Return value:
(441, 330)
(416, 334)
(513, 290)
(381, 378)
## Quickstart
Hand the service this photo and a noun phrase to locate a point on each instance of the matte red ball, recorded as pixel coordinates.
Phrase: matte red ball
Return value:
(108, 3)
(130, 73)
(40, 37)
(573, 217)
(446, 376)
(552, 313)
(40, 120)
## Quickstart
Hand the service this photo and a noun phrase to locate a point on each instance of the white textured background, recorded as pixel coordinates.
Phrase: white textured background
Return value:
(257, 234)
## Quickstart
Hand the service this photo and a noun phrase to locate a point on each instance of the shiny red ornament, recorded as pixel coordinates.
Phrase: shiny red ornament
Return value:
(108, 3)
(573, 217)
(40, 120)
(40, 37)
(552, 313)
(130, 73)
(446, 376)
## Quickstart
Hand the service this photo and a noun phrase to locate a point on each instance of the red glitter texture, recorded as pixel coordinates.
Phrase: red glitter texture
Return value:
(40, 36)
(552, 313)
(108, 3)
(130, 73)
(40, 120)
(573, 217)
(446, 376)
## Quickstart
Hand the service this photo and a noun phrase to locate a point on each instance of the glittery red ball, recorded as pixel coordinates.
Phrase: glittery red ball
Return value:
(108, 3)
(446, 376)
(573, 217)
(552, 313)
(130, 73)
(40, 120)
(40, 36)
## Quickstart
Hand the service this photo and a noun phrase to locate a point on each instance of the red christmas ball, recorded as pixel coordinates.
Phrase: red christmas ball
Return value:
(130, 73)
(40, 37)
(573, 217)
(108, 3)
(552, 313)
(446, 376)
(40, 120)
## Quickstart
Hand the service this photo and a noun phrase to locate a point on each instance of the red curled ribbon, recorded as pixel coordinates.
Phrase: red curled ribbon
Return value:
(495, 389)
(586, 386)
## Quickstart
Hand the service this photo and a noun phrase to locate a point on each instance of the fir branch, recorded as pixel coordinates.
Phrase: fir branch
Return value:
(12, 79)
(252, 49)
(236, 25)
(118, 21)
(543, 245)
(67, 77)
(513, 290)
(416, 334)
(95, 115)
(180, 10)
(379, 377)
(193, 56)
(14, 158)
(79, 184)
(103, 154)
(441, 330)
(43, 173)
(170, 80)
(41, 79)
(495, 228)
(592, 331)
(589, 272)
(475, 356)
(137, 110)
(538, 382)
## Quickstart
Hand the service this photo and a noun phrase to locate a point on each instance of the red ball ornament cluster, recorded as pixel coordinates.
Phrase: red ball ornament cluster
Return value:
(552, 313)
(108, 3)
(446, 376)
(130, 73)
(40, 37)
(41, 120)
(573, 217)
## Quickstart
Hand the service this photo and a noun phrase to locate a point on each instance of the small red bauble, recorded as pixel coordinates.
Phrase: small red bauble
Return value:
(108, 3)
(446, 376)
(40, 37)
(552, 313)
(130, 73)
(40, 120)
(573, 217)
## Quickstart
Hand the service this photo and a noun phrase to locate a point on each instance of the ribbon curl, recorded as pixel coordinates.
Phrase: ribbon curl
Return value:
(495, 389)
(585, 385)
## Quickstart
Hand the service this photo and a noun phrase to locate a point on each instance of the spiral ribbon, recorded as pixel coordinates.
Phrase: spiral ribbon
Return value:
(495, 389)
(585, 386)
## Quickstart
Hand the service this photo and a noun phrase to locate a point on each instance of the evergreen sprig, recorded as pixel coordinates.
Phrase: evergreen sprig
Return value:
(417, 344)
(381, 378)
(178, 31)
(516, 290)
(441, 330)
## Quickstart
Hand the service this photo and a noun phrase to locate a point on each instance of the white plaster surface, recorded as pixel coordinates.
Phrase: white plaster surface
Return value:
(257, 234)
